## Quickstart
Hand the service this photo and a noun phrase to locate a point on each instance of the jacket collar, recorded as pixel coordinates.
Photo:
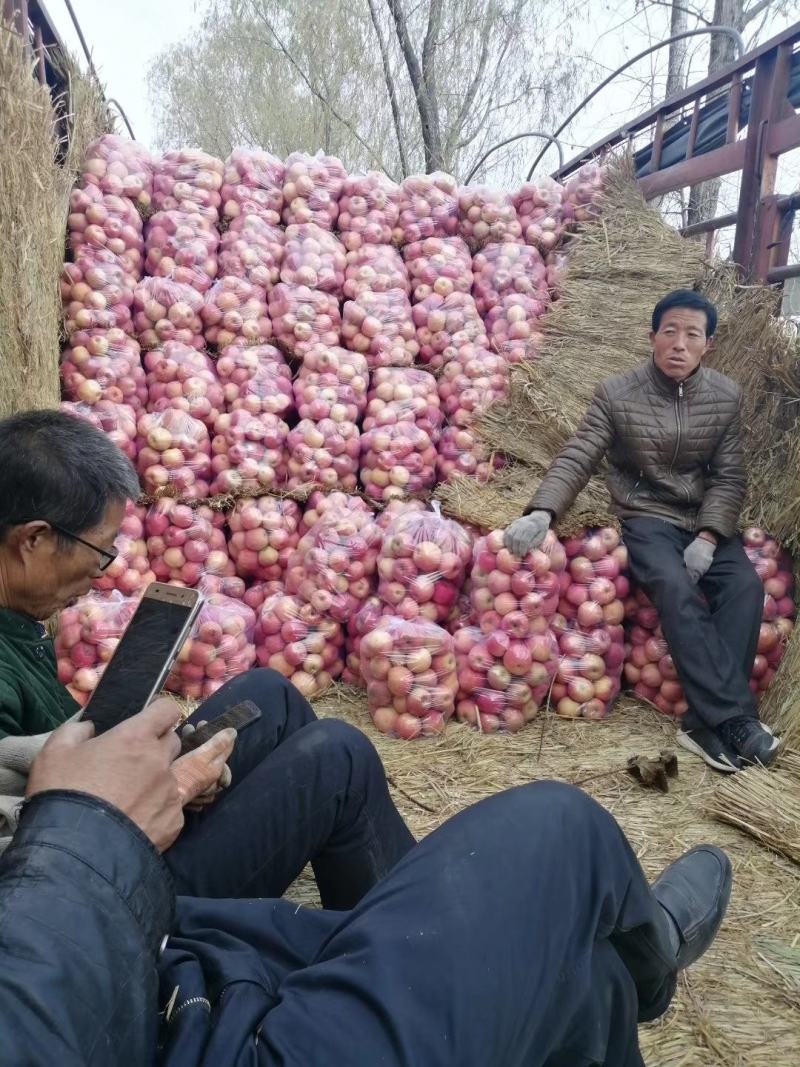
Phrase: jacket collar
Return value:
(21, 627)
(668, 385)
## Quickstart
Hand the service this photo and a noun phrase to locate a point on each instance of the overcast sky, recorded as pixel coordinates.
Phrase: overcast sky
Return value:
(125, 37)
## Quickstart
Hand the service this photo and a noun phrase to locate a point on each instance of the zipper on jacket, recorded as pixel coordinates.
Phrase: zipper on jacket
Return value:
(636, 485)
(678, 426)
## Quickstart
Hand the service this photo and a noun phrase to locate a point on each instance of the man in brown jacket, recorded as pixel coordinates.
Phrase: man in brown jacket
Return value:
(670, 432)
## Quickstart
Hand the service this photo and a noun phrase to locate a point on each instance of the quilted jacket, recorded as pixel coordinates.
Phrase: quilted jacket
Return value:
(674, 450)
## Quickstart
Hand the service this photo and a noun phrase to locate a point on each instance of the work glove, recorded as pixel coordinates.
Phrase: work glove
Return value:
(527, 533)
(698, 557)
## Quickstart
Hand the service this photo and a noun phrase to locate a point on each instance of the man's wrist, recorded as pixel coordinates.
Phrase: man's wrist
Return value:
(710, 536)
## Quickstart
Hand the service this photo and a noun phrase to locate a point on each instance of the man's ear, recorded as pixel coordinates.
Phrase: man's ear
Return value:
(710, 343)
(652, 337)
(28, 537)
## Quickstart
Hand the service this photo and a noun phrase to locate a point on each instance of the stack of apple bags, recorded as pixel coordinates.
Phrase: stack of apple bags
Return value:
(238, 349)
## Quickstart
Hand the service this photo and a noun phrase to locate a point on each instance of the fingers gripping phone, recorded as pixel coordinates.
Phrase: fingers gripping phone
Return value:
(136, 672)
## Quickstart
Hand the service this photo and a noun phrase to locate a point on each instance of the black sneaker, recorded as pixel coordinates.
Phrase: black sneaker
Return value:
(710, 748)
(750, 739)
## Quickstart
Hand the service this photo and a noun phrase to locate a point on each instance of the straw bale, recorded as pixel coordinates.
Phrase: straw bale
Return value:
(733, 1007)
(764, 804)
(37, 171)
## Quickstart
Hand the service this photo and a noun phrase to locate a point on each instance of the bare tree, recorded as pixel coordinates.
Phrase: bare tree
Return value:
(383, 83)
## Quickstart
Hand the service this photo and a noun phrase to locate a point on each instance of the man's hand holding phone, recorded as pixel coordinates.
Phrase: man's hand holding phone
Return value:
(134, 767)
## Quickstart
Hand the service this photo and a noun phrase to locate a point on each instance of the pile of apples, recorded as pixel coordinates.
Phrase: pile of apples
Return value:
(304, 645)
(253, 186)
(220, 647)
(380, 326)
(369, 209)
(185, 544)
(312, 186)
(88, 634)
(263, 534)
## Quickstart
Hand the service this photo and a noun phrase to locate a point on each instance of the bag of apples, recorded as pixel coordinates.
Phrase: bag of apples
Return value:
(88, 633)
(180, 377)
(253, 186)
(380, 326)
(487, 215)
(263, 534)
(363, 622)
(428, 207)
(104, 365)
(117, 421)
(540, 209)
(502, 680)
(174, 454)
(517, 596)
(166, 310)
(438, 265)
(513, 326)
(235, 310)
(321, 503)
(100, 221)
(410, 671)
(312, 187)
(324, 453)
(462, 451)
(299, 642)
(220, 647)
(184, 543)
(397, 460)
(97, 292)
(188, 180)
(130, 573)
(404, 394)
(470, 382)
(369, 207)
(374, 269)
(256, 378)
(333, 567)
(588, 625)
(252, 249)
(314, 257)
(248, 453)
(501, 270)
(422, 565)
(120, 167)
(182, 247)
(303, 317)
(444, 326)
(332, 383)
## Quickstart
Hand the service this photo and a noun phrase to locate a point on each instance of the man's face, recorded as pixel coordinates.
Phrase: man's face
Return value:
(680, 342)
(44, 574)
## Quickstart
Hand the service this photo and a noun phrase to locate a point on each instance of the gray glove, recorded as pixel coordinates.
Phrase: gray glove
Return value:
(698, 557)
(527, 533)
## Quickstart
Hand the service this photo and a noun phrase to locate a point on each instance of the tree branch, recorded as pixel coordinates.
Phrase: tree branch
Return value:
(469, 97)
(390, 87)
(686, 10)
(428, 121)
(318, 95)
(753, 12)
(429, 48)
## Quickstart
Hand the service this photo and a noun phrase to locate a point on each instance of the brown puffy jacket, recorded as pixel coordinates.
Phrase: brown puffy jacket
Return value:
(674, 451)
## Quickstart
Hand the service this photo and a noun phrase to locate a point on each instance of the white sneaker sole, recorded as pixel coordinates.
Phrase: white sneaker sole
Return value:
(685, 741)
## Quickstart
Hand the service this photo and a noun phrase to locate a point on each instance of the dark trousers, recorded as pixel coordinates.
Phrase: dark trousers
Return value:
(712, 627)
(521, 933)
(303, 790)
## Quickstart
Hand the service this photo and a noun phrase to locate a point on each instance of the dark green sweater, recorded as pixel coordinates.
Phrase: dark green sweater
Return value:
(32, 700)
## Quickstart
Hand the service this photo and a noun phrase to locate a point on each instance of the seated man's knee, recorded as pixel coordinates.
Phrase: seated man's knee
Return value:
(552, 800)
(336, 739)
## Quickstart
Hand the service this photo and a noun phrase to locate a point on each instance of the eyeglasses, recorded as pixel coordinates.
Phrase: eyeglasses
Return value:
(107, 555)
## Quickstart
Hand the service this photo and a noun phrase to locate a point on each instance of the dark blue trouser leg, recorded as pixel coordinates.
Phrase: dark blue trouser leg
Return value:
(522, 933)
(711, 628)
(303, 790)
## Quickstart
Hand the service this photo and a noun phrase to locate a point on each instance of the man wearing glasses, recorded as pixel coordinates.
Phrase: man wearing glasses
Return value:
(297, 790)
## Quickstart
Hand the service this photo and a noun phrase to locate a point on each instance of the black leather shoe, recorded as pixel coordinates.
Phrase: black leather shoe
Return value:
(694, 892)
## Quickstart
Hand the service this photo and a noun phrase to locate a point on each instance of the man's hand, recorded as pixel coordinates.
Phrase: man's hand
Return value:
(194, 770)
(527, 533)
(698, 557)
(134, 768)
(129, 767)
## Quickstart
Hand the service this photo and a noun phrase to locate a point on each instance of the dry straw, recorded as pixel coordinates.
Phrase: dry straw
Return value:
(765, 805)
(38, 166)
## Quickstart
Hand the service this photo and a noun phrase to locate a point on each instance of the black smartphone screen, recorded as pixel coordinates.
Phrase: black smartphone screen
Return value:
(137, 663)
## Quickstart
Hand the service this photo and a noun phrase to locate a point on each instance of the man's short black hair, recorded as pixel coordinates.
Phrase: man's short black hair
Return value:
(686, 298)
(59, 468)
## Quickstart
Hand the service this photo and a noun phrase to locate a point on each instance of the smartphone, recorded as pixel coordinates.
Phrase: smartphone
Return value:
(239, 717)
(136, 672)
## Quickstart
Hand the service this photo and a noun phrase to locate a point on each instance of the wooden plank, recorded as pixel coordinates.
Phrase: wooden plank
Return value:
(783, 136)
(734, 107)
(710, 225)
(724, 160)
(658, 141)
